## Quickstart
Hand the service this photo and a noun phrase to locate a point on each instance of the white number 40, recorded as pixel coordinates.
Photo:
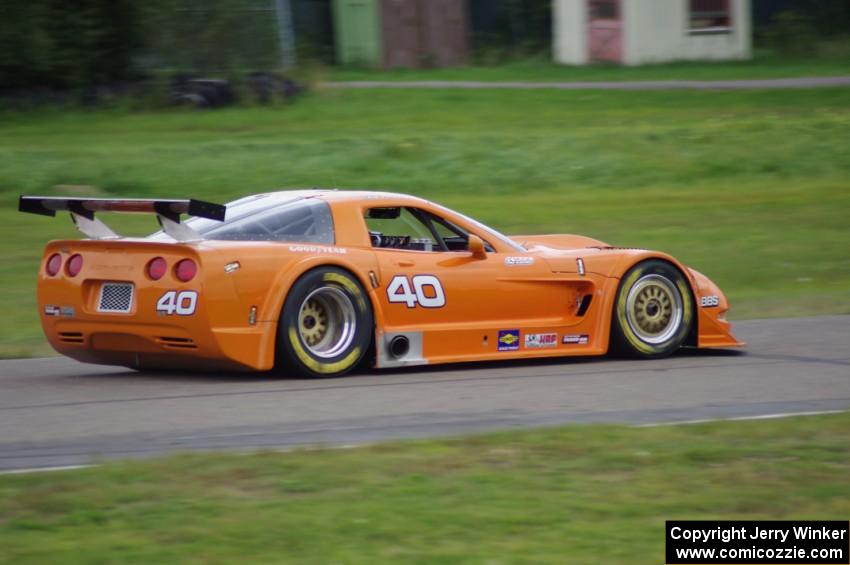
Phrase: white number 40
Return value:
(399, 290)
(182, 303)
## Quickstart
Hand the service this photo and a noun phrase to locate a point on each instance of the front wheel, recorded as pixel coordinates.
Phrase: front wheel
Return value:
(654, 311)
(326, 325)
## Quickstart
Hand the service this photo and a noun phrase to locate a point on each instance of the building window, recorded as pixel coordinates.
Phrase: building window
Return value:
(604, 9)
(710, 16)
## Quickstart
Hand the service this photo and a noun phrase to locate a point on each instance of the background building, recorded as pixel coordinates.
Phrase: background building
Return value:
(401, 33)
(636, 32)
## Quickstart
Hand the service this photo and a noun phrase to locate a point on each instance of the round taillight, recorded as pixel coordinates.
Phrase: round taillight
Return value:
(74, 265)
(54, 264)
(156, 268)
(185, 270)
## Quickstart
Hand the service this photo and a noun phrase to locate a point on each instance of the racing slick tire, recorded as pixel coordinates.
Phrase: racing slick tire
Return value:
(326, 325)
(654, 311)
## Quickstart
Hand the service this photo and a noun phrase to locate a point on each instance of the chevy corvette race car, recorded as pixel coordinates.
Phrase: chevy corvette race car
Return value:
(315, 282)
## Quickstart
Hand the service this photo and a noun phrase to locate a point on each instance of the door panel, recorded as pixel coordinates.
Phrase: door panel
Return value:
(478, 300)
(605, 30)
(452, 305)
(466, 284)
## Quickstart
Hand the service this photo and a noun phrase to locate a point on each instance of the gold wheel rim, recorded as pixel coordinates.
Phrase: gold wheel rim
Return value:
(313, 322)
(654, 309)
(327, 322)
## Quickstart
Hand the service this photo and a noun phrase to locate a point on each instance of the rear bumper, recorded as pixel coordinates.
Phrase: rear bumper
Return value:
(160, 346)
(145, 322)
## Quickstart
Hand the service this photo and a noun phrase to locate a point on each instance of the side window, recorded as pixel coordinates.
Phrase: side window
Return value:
(453, 237)
(399, 228)
(443, 230)
(305, 220)
(414, 229)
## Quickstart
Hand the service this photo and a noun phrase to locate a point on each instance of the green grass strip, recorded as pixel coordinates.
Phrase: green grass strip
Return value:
(578, 494)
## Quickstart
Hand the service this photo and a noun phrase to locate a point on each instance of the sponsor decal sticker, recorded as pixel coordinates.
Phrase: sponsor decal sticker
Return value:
(508, 340)
(575, 339)
(536, 341)
(51, 310)
(712, 301)
(317, 249)
(519, 260)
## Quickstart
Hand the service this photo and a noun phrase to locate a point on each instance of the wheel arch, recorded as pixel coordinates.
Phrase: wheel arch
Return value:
(632, 260)
(276, 298)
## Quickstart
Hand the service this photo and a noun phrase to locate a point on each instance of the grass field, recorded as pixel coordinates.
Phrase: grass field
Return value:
(581, 494)
(750, 187)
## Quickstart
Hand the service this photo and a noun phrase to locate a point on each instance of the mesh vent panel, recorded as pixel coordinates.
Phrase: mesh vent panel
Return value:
(115, 297)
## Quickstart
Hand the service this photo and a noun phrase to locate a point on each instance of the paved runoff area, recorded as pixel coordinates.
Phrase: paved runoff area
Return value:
(56, 412)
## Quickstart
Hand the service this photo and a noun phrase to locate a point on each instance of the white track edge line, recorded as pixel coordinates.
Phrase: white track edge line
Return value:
(45, 469)
(773, 416)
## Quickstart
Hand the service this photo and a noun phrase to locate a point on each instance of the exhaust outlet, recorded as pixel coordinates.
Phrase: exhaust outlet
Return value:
(399, 346)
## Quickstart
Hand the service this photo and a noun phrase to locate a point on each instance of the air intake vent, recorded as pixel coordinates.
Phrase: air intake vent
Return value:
(584, 304)
(71, 337)
(177, 342)
(115, 297)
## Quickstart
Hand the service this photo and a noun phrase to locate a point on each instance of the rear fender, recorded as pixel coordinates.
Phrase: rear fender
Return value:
(359, 266)
(357, 262)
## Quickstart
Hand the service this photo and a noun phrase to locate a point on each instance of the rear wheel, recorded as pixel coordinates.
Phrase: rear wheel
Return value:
(654, 311)
(326, 325)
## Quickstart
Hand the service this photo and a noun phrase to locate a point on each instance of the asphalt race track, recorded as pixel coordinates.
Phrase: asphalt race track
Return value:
(57, 412)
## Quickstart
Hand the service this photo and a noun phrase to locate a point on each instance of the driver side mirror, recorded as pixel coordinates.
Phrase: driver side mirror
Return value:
(476, 247)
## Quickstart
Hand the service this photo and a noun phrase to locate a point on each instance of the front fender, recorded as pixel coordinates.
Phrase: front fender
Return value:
(712, 305)
(713, 330)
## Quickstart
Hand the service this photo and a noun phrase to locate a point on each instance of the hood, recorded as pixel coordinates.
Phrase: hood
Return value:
(558, 241)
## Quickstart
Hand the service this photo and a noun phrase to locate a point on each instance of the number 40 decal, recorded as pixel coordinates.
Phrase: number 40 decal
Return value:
(399, 290)
(180, 303)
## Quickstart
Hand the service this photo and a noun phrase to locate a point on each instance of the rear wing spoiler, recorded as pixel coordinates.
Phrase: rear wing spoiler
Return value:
(83, 213)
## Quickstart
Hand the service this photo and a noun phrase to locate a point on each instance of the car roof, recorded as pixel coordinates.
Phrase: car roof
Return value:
(347, 205)
(339, 195)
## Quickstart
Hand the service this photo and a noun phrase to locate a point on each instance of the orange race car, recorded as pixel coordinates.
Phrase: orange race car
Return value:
(313, 282)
